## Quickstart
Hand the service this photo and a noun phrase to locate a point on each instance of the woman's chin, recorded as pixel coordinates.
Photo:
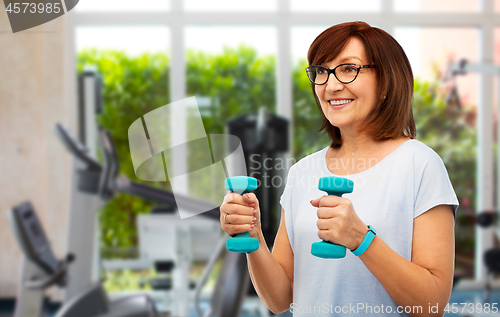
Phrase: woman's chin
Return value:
(338, 123)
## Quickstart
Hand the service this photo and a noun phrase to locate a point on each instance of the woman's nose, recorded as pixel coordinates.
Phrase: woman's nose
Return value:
(333, 84)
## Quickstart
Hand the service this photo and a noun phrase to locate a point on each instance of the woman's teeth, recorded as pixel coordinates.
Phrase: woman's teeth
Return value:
(340, 102)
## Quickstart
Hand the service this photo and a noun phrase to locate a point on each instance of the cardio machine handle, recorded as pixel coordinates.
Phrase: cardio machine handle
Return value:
(58, 278)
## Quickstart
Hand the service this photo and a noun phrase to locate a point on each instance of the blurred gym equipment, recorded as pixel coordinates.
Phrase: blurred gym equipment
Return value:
(263, 136)
(42, 270)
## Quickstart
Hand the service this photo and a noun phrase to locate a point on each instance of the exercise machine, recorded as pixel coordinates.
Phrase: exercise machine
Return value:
(264, 137)
(491, 257)
(42, 270)
(485, 195)
(189, 240)
(262, 134)
(104, 180)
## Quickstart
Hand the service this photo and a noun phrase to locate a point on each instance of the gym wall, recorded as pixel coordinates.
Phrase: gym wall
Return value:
(35, 92)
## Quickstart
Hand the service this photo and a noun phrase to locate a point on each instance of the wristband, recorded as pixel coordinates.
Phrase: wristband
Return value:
(370, 235)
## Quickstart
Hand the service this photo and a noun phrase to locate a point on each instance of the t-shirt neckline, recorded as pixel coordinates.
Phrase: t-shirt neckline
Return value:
(328, 172)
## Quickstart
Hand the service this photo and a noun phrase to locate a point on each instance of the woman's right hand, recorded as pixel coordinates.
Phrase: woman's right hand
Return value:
(240, 213)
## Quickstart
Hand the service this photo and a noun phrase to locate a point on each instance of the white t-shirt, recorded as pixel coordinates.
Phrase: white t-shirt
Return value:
(388, 195)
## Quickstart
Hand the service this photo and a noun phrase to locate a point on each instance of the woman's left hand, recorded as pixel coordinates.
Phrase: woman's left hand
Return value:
(338, 223)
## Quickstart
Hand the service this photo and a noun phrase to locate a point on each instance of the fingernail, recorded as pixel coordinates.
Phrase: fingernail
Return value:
(248, 196)
(311, 202)
(254, 211)
(254, 219)
(251, 204)
(251, 226)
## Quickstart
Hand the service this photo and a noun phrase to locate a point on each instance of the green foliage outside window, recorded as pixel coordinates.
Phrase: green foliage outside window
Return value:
(239, 81)
(132, 86)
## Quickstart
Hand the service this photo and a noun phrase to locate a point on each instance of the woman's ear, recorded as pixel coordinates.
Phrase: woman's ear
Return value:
(383, 94)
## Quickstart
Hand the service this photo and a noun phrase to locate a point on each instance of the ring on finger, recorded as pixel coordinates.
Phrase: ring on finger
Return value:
(225, 219)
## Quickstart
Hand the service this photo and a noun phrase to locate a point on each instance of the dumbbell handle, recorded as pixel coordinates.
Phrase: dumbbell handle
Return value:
(242, 242)
(332, 186)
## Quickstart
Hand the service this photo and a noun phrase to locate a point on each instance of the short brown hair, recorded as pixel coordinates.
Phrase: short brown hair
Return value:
(392, 116)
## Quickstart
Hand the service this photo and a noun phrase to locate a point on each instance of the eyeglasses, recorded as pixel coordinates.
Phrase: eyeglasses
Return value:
(345, 73)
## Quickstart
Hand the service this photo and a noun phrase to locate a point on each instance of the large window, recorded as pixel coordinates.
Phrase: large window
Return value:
(129, 39)
(135, 71)
(445, 113)
(230, 6)
(122, 6)
(306, 115)
(234, 67)
(336, 6)
(442, 6)
(239, 56)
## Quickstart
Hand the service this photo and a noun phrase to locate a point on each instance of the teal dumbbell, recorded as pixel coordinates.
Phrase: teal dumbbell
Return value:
(242, 242)
(332, 186)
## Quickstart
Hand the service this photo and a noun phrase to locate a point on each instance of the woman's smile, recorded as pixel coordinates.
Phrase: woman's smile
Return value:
(339, 103)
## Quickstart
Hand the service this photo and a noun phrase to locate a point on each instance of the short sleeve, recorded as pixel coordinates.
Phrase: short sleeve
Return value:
(286, 204)
(432, 184)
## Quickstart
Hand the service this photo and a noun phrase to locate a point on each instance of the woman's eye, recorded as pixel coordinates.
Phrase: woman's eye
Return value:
(321, 71)
(350, 69)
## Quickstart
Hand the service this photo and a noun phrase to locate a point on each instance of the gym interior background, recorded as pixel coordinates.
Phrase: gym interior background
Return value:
(235, 58)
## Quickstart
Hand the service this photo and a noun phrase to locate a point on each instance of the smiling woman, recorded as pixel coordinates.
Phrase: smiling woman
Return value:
(392, 90)
(398, 220)
(347, 106)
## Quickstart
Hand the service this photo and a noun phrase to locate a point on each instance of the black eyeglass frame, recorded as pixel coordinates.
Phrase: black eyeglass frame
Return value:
(332, 71)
